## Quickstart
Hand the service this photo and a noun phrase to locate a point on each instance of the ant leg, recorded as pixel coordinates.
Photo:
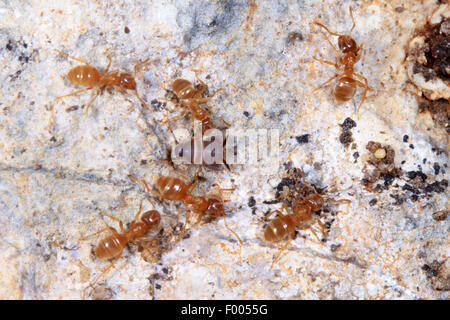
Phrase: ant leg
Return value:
(109, 65)
(139, 211)
(146, 239)
(203, 100)
(186, 222)
(340, 200)
(144, 183)
(194, 181)
(358, 56)
(281, 251)
(137, 96)
(327, 62)
(312, 230)
(148, 193)
(144, 62)
(104, 271)
(204, 86)
(365, 86)
(180, 212)
(314, 233)
(183, 54)
(182, 114)
(115, 219)
(322, 227)
(93, 99)
(225, 122)
(77, 59)
(325, 83)
(166, 163)
(272, 212)
(71, 94)
(235, 234)
(141, 100)
(334, 48)
(94, 234)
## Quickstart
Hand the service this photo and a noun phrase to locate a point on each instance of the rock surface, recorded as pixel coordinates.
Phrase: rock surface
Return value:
(58, 166)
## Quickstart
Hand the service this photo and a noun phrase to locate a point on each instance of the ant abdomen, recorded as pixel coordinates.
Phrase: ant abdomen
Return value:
(345, 89)
(172, 188)
(183, 88)
(84, 75)
(278, 228)
(111, 247)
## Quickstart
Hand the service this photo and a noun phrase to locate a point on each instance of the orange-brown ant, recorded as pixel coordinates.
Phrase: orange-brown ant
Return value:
(189, 97)
(87, 75)
(172, 188)
(299, 217)
(345, 88)
(112, 246)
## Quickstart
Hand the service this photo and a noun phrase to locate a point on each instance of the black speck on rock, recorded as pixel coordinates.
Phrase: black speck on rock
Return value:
(348, 124)
(293, 37)
(408, 187)
(411, 174)
(303, 138)
(373, 202)
(436, 168)
(346, 138)
(251, 202)
(388, 179)
(438, 186)
(9, 46)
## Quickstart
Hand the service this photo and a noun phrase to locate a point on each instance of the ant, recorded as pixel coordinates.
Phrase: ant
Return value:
(345, 88)
(87, 75)
(299, 217)
(175, 189)
(112, 246)
(190, 98)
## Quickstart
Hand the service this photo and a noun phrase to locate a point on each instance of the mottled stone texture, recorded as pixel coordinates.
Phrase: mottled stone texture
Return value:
(58, 166)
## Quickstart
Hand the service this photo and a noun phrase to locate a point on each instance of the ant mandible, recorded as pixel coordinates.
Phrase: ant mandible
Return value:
(112, 246)
(345, 88)
(299, 217)
(87, 75)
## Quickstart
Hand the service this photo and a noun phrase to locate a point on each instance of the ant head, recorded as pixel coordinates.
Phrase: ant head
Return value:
(183, 89)
(151, 218)
(315, 201)
(347, 44)
(127, 82)
(215, 208)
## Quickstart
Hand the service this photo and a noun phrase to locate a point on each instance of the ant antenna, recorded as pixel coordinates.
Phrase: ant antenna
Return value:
(354, 24)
